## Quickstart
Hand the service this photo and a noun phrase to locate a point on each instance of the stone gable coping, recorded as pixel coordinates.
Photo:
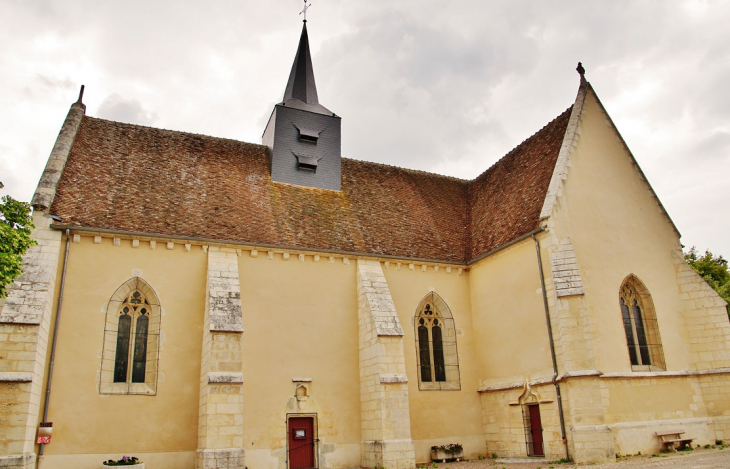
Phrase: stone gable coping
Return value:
(570, 141)
(46, 191)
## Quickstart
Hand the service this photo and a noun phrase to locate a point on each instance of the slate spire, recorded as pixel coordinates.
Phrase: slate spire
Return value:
(301, 79)
(304, 136)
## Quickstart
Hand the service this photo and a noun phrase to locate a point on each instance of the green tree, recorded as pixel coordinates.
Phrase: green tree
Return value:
(713, 269)
(15, 227)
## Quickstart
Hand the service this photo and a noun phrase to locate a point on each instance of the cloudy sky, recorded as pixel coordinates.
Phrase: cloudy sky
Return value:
(441, 86)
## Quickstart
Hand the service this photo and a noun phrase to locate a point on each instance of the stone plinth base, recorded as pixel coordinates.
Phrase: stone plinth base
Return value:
(18, 461)
(592, 444)
(389, 454)
(229, 458)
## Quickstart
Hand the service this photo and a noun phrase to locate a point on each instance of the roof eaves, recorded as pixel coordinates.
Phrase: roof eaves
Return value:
(141, 234)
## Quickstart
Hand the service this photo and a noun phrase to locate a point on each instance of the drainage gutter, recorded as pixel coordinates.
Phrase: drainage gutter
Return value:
(53, 343)
(552, 348)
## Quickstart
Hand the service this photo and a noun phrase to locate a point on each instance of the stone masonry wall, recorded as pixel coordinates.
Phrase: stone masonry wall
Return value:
(589, 438)
(220, 422)
(384, 407)
(708, 333)
(24, 332)
(705, 316)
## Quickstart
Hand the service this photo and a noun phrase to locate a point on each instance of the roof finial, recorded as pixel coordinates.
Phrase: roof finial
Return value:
(81, 95)
(580, 69)
(306, 7)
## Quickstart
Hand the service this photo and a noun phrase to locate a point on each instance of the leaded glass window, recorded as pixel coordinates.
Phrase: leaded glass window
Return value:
(134, 309)
(640, 326)
(438, 362)
(131, 340)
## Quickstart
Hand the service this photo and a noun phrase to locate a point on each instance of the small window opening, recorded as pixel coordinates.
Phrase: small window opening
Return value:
(307, 163)
(308, 138)
(307, 166)
(308, 135)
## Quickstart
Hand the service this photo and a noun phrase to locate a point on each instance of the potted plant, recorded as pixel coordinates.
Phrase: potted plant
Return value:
(125, 461)
(449, 451)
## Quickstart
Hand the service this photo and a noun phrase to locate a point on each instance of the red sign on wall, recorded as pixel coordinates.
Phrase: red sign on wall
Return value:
(44, 433)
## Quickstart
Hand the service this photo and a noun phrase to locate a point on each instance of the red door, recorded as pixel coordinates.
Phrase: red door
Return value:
(536, 430)
(301, 442)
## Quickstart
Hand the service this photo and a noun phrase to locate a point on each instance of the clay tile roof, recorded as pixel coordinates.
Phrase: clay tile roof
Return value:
(139, 179)
(506, 199)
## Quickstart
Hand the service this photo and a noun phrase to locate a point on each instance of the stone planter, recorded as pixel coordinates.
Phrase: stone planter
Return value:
(133, 466)
(443, 456)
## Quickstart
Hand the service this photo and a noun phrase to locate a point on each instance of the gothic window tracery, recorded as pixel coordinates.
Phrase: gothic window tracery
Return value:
(438, 363)
(131, 340)
(640, 326)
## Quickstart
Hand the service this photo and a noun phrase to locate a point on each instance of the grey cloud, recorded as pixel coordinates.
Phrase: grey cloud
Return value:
(715, 146)
(425, 84)
(116, 108)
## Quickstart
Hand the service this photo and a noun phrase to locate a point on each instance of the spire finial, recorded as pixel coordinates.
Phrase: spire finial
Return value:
(81, 95)
(306, 7)
(580, 69)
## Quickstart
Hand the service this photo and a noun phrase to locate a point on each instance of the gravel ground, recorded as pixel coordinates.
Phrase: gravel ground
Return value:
(697, 459)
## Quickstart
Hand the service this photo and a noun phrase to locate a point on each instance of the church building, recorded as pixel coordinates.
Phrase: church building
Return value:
(201, 302)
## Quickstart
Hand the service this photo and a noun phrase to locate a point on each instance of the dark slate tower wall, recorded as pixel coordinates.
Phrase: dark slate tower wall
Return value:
(286, 145)
(302, 135)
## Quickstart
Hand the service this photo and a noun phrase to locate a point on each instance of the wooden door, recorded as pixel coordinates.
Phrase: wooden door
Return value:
(301, 442)
(536, 430)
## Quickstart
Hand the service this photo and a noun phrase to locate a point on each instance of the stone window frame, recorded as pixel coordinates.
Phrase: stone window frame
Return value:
(109, 347)
(640, 325)
(442, 312)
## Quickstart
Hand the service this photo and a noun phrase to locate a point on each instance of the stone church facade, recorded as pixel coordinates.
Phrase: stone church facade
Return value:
(204, 302)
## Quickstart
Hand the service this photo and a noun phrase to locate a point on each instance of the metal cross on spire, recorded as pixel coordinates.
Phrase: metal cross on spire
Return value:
(306, 7)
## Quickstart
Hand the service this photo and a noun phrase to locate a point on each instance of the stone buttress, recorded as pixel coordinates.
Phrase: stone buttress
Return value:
(220, 421)
(384, 407)
(25, 318)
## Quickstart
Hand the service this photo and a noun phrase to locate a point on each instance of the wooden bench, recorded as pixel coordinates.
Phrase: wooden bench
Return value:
(669, 437)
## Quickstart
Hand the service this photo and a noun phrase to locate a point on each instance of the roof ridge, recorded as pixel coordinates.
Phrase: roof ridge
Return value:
(420, 171)
(172, 130)
(521, 144)
(412, 170)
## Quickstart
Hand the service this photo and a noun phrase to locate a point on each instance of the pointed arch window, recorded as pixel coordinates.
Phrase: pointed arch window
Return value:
(131, 340)
(436, 352)
(132, 335)
(640, 326)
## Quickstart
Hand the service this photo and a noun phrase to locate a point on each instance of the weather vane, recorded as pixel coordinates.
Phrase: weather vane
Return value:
(306, 7)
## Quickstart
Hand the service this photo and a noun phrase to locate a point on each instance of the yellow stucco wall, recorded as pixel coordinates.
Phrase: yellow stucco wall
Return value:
(300, 321)
(439, 417)
(617, 229)
(509, 316)
(84, 420)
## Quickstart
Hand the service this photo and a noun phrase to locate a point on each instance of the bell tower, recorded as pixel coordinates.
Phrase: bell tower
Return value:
(302, 135)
